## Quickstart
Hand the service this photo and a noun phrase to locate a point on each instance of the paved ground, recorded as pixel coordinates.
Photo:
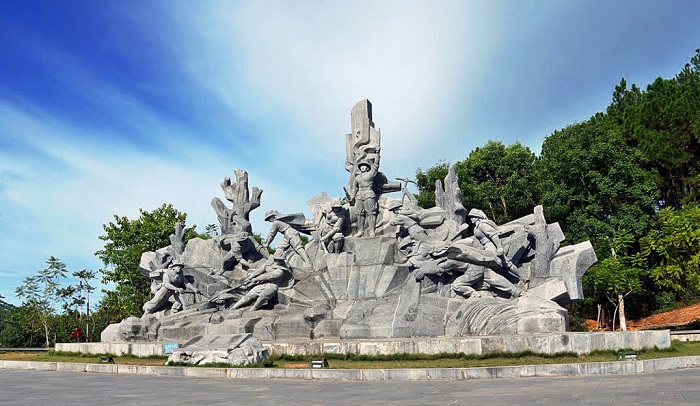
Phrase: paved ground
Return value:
(34, 388)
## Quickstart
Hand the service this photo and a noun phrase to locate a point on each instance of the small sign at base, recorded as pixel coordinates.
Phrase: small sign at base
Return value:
(169, 347)
(320, 364)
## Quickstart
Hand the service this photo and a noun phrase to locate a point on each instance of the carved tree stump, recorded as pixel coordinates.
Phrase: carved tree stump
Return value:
(177, 240)
(450, 197)
(242, 201)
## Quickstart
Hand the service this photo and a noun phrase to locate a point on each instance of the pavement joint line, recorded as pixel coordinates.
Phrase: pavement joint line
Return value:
(407, 374)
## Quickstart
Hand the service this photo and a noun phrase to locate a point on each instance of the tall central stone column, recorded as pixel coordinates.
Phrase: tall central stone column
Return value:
(364, 142)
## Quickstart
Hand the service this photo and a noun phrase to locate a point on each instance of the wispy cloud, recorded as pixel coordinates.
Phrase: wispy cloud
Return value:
(61, 182)
(301, 67)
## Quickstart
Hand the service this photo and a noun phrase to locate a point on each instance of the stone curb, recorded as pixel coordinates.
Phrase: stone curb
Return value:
(450, 374)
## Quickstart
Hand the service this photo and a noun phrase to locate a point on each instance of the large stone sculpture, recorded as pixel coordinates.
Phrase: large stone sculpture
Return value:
(376, 266)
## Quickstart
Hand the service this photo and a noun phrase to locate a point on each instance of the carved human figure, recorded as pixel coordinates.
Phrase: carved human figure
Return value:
(365, 197)
(271, 271)
(486, 232)
(331, 227)
(239, 245)
(262, 284)
(473, 266)
(259, 294)
(173, 284)
(474, 276)
(240, 224)
(292, 238)
(405, 220)
(428, 258)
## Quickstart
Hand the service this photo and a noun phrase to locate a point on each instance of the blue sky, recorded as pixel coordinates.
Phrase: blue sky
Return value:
(111, 106)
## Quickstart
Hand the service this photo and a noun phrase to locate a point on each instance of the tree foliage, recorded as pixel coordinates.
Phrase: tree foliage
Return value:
(663, 124)
(618, 275)
(426, 183)
(498, 179)
(125, 241)
(20, 327)
(42, 292)
(77, 297)
(592, 183)
(672, 250)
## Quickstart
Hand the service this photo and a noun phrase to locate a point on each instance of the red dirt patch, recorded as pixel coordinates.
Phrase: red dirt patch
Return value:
(678, 317)
(304, 365)
(590, 324)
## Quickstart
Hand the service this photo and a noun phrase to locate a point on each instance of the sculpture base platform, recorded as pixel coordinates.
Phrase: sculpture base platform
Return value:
(580, 343)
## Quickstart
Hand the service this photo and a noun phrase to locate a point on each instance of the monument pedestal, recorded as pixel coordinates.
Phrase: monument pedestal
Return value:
(580, 343)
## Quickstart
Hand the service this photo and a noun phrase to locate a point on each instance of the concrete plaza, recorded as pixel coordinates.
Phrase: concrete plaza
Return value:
(39, 388)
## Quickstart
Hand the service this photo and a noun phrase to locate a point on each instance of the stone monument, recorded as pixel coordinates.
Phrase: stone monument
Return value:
(376, 266)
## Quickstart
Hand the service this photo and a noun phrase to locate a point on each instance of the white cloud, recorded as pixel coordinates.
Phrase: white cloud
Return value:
(304, 65)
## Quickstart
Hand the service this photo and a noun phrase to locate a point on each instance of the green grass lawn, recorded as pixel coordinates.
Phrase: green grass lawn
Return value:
(678, 348)
(53, 356)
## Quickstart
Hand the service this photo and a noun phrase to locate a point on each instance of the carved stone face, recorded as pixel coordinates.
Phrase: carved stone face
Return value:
(174, 270)
(270, 216)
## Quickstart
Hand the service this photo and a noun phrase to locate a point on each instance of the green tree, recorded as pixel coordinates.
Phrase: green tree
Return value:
(125, 241)
(212, 230)
(496, 178)
(617, 276)
(42, 292)
(660, 126)
(5, 322)
(77, 297)
(20, 327)
(499, 179)
(672, 250)
(663, 123)
(426, 183)
(622, 100)
(593, 184)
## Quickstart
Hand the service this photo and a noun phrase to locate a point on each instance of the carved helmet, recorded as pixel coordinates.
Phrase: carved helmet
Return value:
(270, 214)
(365, 164)
(394, 204)
(177, 262)
(336, 203)
(477, 213)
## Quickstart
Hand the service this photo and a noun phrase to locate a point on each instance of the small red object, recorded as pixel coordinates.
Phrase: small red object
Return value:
(77, 333)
